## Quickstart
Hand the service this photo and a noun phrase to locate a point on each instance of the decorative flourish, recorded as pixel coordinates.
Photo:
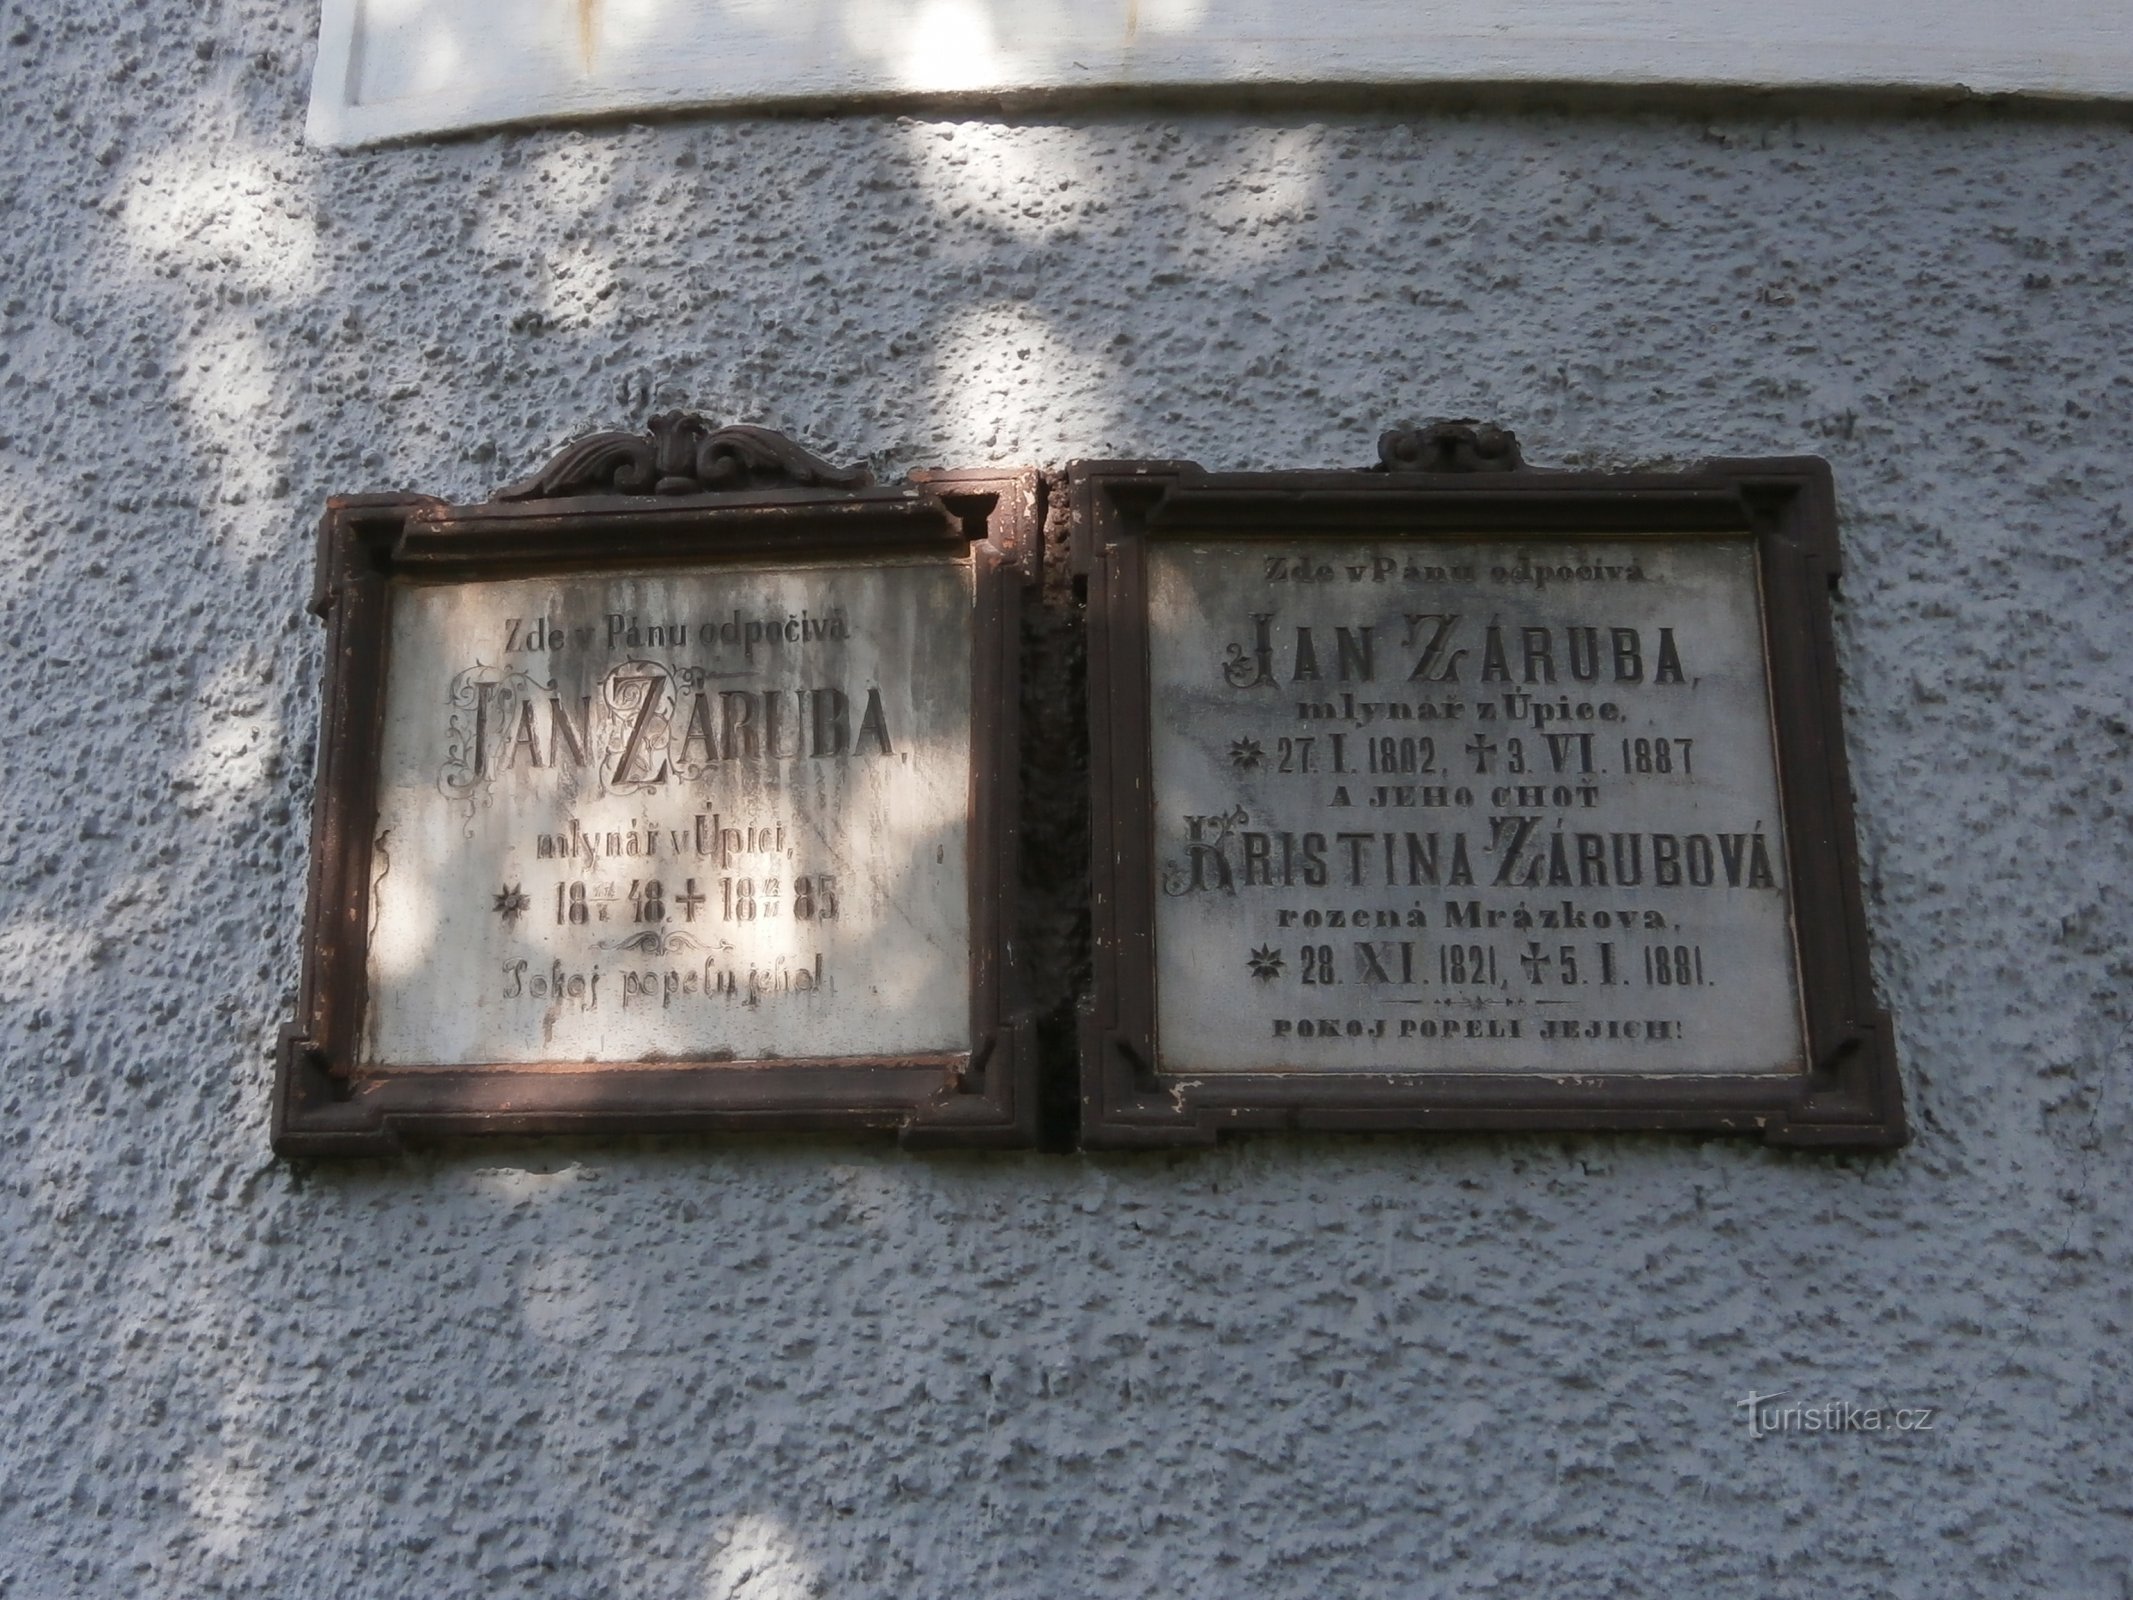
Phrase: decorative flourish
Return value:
(511, 904)
(1450, 444)
(638, 697)
(1253, 671)
(682, 453)
(655, 942)
(482, 706)
(1246, 754)
(1206, 866)
(1266, 963)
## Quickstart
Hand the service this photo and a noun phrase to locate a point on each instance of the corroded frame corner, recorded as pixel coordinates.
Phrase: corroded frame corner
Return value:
(1472, 479)
(686, 493)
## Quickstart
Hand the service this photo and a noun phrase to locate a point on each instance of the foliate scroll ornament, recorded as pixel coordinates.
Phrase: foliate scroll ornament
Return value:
(1450, 445)
(681, 453)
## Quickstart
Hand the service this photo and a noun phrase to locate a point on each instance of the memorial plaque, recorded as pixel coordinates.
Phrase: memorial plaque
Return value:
(1481, 798)
(679, 808)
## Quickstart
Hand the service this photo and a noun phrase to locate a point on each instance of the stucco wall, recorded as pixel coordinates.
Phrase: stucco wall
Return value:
(1285, 1368)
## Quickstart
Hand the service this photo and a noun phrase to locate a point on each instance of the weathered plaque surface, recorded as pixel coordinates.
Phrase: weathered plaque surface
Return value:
(672, 789)
(1492, 799)
(629, 817)
(1486, 802)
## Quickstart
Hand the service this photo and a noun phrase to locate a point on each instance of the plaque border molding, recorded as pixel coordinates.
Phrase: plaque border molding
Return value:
(1472, 480)
(686, 493)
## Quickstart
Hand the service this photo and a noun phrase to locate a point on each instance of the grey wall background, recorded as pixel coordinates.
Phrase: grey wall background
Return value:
(1287, 1368)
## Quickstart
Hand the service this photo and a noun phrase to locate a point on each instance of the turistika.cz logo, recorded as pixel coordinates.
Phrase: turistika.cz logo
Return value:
(1766, 1416)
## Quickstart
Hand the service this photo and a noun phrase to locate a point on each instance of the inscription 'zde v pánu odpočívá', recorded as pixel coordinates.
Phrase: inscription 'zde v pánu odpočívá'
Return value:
(672, 815)
(1460, 806)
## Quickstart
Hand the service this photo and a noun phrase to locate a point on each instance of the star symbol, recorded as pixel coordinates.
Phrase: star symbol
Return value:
(1245, 754)
(510, 903)
(1266, 963)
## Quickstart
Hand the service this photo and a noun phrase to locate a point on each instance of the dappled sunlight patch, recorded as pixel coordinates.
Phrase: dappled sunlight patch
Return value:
(415, 47)
(234, 745)
(40, 955)
(568, 263)
(227, 1500)
(225, 382)
(1033, 183)
(1162, 18)
(989, 359)
(224, 227)
(579, 283)
(930, 45)
(624, 27)
(213, 208)
(1262, 194)
(402, 944)
(757, 1558)
(572, 177)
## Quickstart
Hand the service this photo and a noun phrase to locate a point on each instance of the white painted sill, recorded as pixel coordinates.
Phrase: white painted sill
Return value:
(391, 69)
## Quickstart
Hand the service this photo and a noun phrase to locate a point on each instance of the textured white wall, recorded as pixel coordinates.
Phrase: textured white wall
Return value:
(1289, 1368)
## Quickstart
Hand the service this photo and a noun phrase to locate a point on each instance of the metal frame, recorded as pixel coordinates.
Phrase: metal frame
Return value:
(688, 494)
(1446, 480)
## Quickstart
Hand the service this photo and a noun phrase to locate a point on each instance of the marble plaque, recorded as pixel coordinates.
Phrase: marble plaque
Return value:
(671, 815)
(1467, 806)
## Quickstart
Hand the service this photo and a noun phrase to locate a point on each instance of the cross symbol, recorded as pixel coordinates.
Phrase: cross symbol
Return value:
(1536, 963)
(690, 901)
(1481, 747)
